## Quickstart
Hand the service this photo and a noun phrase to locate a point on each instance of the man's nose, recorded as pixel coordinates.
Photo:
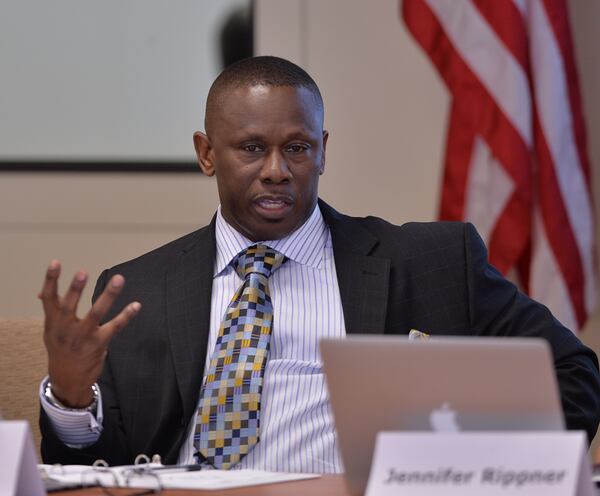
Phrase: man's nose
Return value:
(275, 168)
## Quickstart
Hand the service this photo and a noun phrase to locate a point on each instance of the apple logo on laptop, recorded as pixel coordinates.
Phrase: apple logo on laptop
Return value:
(444, 419)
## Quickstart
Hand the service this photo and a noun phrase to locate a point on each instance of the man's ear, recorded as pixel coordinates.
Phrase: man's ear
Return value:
(204, 153)
(325, 138)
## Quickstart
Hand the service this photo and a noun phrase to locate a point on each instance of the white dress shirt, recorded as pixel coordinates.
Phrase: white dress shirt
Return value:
(297, 432)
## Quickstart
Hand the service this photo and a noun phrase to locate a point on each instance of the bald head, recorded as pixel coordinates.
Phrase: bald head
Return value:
(257, 71)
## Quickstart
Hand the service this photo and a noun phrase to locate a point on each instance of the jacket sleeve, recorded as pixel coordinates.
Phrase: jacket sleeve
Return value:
(498, 308)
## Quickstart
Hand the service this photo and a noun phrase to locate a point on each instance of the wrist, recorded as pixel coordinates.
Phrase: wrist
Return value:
(85, 402)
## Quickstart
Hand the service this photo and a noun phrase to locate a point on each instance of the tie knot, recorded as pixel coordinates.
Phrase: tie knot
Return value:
(258, 259)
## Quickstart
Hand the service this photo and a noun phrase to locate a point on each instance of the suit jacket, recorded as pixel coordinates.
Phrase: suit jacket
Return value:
(428, 276)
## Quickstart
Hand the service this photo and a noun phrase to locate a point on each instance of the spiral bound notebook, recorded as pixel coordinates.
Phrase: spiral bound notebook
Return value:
(158, 477)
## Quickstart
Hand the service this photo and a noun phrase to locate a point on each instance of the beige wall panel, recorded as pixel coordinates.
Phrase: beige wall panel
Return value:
(101, 199)
(280, 29)
(89, 221)
(83, 249)
(385, 108)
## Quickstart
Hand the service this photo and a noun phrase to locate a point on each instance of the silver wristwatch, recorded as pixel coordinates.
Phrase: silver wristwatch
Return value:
(91, 408)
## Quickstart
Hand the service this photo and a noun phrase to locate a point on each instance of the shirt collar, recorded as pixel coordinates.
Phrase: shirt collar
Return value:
(305, 245)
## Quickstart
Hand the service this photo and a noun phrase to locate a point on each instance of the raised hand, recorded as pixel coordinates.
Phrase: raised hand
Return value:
(77, 347)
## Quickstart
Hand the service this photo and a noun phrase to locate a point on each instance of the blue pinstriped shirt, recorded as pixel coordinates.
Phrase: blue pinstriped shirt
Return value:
(297, 428)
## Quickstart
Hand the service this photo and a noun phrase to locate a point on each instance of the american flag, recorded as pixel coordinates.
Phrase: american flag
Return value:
(516, 163)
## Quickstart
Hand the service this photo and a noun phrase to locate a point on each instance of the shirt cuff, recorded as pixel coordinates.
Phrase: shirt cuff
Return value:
(75, 429)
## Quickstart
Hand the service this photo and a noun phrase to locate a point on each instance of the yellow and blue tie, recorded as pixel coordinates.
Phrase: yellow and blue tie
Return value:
(228, 423)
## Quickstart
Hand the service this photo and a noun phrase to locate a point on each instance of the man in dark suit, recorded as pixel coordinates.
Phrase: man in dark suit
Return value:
(265, 144)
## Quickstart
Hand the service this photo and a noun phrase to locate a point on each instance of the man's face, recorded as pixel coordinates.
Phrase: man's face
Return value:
(266, 146)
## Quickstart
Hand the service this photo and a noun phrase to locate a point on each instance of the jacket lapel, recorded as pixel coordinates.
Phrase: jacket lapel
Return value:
(363, 278)
(189, 287)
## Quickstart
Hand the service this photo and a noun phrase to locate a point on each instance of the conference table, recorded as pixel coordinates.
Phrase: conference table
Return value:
(324, 485)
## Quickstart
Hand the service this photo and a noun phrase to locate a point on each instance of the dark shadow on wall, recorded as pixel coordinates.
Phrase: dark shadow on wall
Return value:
(237, 35)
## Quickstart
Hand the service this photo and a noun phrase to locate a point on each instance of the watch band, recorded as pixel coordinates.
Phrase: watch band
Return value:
(91, 408)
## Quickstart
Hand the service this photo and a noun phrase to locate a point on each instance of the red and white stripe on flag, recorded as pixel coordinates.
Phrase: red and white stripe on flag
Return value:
(516, 163)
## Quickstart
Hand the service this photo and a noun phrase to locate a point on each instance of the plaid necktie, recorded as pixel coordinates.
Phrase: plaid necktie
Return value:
(229, 411)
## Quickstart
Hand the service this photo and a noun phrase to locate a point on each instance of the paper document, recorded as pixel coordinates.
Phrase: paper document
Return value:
(147, 477)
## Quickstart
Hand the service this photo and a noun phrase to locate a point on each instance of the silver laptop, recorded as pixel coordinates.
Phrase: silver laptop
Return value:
(386, 383)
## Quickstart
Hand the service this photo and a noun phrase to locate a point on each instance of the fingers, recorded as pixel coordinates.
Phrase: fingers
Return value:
(108, 330)
(49, 291)
(71, 298)
(102, 305)
(68, 304)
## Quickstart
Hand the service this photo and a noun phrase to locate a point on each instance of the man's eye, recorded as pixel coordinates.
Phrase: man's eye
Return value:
(297, 148)
(251, 148)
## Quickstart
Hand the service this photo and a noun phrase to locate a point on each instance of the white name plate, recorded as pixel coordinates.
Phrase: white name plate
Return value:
(480, 463)
(19, 475)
